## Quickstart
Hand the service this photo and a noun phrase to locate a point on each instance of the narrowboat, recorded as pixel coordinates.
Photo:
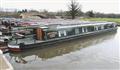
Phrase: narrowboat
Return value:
(5, 34)
(41, 35)
(5, 29)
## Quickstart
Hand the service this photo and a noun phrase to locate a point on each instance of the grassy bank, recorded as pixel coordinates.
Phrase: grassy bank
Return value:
(117, 20)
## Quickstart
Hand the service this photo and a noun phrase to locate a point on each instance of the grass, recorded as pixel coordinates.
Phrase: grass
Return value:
(117, 20)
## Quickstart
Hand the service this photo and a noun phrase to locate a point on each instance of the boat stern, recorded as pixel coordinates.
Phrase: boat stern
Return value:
(14, 48)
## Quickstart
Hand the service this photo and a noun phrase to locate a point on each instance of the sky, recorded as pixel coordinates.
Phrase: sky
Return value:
(103, 6)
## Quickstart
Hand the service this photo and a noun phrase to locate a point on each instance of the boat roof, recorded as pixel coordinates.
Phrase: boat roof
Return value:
(60, 24)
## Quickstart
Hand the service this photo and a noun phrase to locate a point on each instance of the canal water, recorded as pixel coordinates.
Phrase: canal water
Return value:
(89, 53)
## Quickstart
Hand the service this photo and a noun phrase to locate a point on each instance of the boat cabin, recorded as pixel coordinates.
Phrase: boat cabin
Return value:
(36, 34)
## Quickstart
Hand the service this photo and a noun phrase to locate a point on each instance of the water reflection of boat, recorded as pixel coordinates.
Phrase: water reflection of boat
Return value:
(61, 48)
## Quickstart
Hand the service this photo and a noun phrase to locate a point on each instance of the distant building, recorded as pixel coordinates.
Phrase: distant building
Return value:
(32, 15)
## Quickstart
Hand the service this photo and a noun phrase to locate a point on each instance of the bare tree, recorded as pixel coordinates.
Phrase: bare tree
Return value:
(74, 8)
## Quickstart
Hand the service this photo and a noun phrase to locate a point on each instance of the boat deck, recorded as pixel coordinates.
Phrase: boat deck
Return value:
(4, 64)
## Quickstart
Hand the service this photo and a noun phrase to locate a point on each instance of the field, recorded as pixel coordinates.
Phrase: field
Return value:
(117, 20)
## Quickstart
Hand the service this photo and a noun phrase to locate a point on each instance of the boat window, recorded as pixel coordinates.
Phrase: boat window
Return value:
(61, 33)
(15, 29)
(90, 28)
(80, 30)
(77, 30)
(23, 40)
(7, 33)
(13, 42)
(99, 27)
(111, 25)
(85, 29)
(71, 32)
(106, 26)
(51, 34)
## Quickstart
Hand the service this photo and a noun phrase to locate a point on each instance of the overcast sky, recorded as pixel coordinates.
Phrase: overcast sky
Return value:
(104, 6)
